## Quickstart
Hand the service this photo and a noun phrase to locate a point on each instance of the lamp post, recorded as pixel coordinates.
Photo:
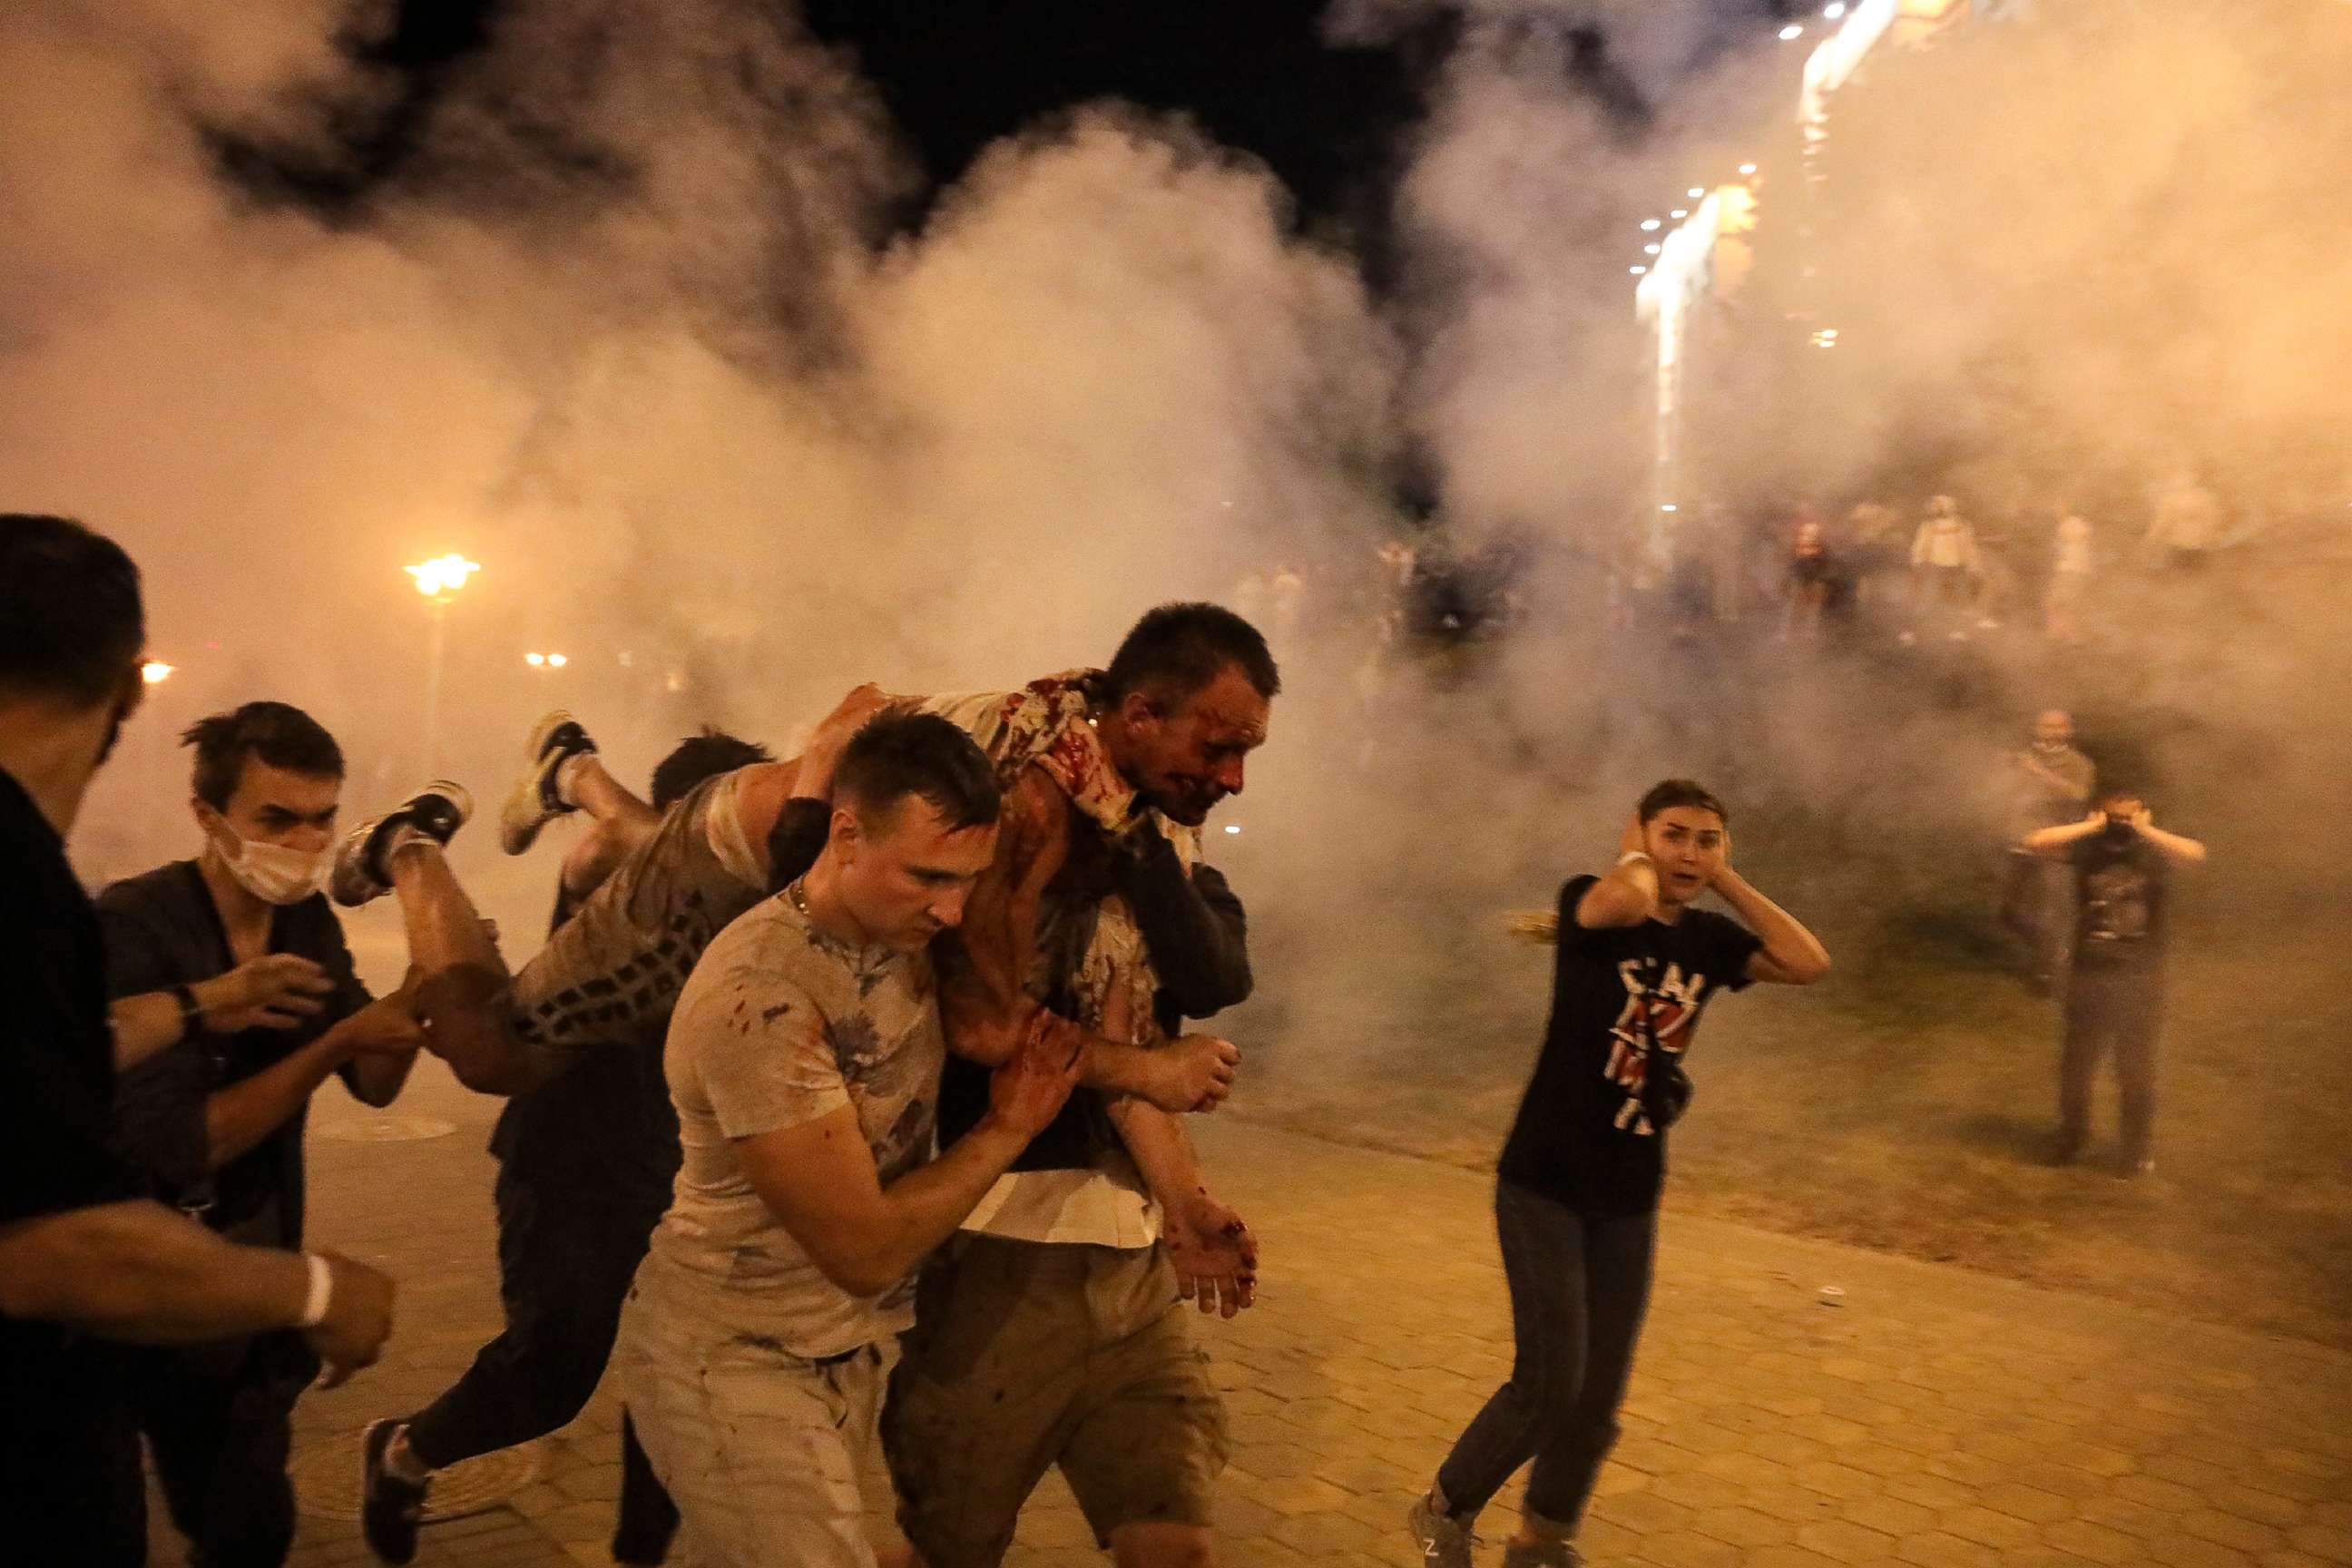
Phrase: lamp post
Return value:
(439, 580)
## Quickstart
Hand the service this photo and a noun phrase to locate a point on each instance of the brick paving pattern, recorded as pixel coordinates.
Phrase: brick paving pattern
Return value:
(1936, 1417)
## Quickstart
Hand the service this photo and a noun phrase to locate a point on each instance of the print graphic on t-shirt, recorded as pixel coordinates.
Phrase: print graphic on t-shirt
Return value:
(2115, 903)
(1662, 1009)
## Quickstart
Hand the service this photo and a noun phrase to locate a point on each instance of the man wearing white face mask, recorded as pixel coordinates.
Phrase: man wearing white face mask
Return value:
(237, 962)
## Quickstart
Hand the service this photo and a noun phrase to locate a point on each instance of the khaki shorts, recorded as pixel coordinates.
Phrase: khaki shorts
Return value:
(1029, 1354)
(762, 1450)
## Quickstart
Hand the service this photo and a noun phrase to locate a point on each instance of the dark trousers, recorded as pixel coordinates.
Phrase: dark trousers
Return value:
(2116, 1008)
(1580, 1286)
(218, 1420)
(570, 1241)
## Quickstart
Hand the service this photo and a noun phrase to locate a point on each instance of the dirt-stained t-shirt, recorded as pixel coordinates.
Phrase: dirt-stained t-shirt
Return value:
(779, 1026)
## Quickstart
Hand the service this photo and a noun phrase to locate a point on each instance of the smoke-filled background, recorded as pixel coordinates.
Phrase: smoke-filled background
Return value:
(751, 362)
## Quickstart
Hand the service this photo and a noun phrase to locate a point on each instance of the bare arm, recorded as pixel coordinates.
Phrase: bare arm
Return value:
(2175, 848)
(2054, 842)
(984, 999)
(1628, 895)
(1791, 955)
(820, 1181)
(276, 990)
(381, 1039)
(1213, 1251)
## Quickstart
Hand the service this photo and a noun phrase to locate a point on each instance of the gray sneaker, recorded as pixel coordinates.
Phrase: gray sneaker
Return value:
(1444, 1543)
(534, 803)
(1550, 1555)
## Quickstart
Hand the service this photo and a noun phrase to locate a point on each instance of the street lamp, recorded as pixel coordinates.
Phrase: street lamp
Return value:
(154, 672)
(439, 580)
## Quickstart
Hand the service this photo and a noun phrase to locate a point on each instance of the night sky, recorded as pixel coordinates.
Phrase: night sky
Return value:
(1332, 123)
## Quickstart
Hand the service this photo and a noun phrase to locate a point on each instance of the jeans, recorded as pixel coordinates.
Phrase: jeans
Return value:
(568, 1244)
(1580, 1286)
(2117, 1007)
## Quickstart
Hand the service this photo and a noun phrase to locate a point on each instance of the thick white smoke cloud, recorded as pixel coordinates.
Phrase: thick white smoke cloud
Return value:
(627, 335)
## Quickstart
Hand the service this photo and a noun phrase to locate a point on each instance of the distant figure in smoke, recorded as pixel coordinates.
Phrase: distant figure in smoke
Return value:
(585, 1170)
(2050, 785)
(1946, 563)
(1577, 1199)
(1812, 578)
(2070, 579)
(2187, 523)
(235, 989)
(2115, 994)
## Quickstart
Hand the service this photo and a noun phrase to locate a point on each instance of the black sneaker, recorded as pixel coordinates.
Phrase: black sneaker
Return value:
(437, 811)
(534, 803)
(390, 1507)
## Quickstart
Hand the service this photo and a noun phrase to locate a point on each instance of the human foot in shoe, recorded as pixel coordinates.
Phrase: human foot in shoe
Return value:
(1443, 1539)
(537, 798)
(391, 1504)
(363, 861)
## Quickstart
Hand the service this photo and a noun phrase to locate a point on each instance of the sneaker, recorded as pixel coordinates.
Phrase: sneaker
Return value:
(1444, 1540)
(390, 1507)
(534, 802)
(1547, 1554)
(2140, 1170)
(437, 811)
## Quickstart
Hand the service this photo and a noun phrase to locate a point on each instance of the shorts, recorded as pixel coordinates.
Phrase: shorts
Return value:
(762, 1451)
(1028, 1354)
(612, 973)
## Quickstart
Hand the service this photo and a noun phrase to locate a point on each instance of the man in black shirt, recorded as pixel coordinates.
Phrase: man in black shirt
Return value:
(213, 1123)
(83, 1257)
(1580, 1175)
(585, 1163)
(2115, 993)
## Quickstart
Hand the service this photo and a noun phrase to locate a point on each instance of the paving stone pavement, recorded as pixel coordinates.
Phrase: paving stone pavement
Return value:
(1936, 1417)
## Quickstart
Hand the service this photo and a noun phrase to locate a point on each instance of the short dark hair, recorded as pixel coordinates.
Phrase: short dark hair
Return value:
(279, 734)
(702, 756)
(1177, 649)
(899, 755)
(71, 624)
(1668, 794)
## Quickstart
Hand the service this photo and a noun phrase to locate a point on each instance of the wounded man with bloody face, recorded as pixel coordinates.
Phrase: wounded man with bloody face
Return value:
(1577, 1195)
(1096, 924)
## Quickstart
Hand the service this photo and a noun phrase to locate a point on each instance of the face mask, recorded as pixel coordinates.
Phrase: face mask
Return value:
(276, 874)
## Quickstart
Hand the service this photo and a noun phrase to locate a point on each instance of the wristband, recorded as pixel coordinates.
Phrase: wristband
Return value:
(1630, 855)
(322, 1291)
(192, 1012)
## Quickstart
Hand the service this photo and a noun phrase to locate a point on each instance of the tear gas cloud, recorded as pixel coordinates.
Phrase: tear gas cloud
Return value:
(632, 330)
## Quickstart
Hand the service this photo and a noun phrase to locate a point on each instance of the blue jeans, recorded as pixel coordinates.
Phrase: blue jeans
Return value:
(1580, 1286)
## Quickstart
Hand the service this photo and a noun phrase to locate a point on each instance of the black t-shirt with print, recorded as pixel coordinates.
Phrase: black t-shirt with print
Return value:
(2119, 883)
(1582, 1138)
